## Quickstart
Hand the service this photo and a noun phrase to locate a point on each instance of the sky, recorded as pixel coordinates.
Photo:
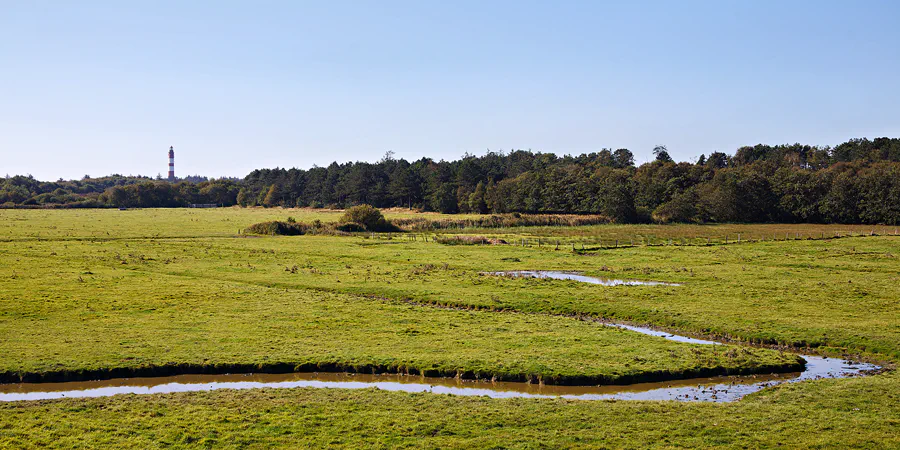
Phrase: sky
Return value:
(102, 87)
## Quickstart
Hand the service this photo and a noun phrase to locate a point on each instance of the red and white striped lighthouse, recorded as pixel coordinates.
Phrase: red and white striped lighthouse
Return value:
(171, 163)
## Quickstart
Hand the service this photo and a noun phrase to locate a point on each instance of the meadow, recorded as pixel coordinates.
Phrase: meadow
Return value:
(94, 293)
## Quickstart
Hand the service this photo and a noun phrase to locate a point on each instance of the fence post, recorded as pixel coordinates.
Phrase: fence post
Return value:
(617, 243)
(739, 238)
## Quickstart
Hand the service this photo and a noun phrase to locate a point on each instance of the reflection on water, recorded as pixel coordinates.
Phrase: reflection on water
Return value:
(714, 389)
(662, 334)
(734, 386)
(582, 278)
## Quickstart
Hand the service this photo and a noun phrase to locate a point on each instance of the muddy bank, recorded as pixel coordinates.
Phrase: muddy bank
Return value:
(337, 367)
(701, 385)
(732, 387)
(708, 389)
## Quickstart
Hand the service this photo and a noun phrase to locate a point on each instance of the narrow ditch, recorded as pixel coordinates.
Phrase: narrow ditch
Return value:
(707, 389)
(700, 385)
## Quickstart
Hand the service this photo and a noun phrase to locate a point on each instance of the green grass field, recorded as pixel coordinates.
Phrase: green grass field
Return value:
(89, 291)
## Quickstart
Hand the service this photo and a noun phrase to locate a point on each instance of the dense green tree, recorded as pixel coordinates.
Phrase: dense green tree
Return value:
(856, 181)
(477, 202)
(661, 153)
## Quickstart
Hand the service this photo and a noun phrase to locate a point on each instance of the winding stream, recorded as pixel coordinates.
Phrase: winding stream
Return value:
(714, 389)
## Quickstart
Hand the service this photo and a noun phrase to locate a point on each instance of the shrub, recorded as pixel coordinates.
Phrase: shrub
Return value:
(468, 240)
(276, 228)
(367, 216)
(501, 221)
(350, 227)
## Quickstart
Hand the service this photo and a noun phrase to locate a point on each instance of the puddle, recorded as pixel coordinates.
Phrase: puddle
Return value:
(663, 334)
(577, 277)
(714, 389)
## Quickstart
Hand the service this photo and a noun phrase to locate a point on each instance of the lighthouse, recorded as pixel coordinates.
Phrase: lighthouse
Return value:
(171, 164)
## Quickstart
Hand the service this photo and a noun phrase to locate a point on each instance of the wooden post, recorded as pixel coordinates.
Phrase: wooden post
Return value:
(617, 243)
(739, 238)
(726, 239)
(707, 240)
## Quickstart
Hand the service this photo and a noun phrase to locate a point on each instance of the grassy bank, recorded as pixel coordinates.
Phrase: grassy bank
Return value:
(93, 310)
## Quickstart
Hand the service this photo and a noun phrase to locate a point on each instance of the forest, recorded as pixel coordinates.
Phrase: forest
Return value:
(857, 181)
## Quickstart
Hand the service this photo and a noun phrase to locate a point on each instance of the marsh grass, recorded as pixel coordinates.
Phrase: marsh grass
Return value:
(238, 314)
(87, 291)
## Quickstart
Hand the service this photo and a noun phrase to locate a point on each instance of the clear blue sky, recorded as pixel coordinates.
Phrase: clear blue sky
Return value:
(105, 87)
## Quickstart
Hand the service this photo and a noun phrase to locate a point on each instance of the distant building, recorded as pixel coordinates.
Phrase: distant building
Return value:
(171, 164)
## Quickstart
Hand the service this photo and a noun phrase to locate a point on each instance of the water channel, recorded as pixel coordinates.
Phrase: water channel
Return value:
(714, 389)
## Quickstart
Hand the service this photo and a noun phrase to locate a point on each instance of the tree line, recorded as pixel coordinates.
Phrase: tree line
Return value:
(857, 181)
(116, 191)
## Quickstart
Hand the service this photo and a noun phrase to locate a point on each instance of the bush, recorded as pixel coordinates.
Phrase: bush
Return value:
(350, 227)
(276, 229)
(468, 240)
(317, 227)
(367, 216)
(501, 221)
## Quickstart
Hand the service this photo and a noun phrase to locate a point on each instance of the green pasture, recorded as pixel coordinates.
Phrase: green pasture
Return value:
(84, 291)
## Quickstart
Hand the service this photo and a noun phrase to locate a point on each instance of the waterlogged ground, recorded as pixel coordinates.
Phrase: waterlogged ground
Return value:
(169, 287)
